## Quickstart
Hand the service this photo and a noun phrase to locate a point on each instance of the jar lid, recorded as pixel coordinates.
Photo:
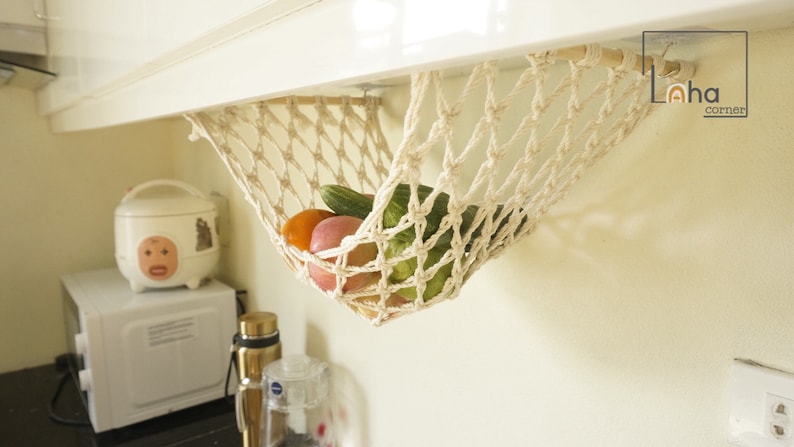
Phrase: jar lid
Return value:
(295, 382)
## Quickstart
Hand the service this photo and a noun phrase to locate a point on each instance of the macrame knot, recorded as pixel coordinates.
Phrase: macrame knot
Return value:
(493, 114)
(446, 120)
(685, 72)
(543, 58)
(658, 63)
(591, 57)
(628, 62)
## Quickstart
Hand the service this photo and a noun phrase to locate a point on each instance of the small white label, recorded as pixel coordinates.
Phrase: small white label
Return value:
(171, 331)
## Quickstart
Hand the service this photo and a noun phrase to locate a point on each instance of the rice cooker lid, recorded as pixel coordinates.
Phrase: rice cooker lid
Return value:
(163, 206)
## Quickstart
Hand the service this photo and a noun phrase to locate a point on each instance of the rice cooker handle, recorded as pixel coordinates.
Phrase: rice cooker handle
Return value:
(163, 182)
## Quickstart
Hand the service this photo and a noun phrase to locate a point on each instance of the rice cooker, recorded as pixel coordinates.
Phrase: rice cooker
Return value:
(166, 239)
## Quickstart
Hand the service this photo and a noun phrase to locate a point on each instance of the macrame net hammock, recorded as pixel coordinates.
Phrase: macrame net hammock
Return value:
(483, 156)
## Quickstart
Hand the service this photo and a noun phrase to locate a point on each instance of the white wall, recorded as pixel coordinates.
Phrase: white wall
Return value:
(614, 324)
(59, 193)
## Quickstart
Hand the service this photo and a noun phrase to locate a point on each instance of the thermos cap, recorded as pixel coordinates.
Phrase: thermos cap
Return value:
(258, 324)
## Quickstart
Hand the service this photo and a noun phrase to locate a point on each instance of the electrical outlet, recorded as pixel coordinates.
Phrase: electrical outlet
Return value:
(762, 406)
(778, 417)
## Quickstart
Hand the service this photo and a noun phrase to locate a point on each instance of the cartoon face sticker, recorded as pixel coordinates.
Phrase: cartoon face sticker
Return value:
(157, 257)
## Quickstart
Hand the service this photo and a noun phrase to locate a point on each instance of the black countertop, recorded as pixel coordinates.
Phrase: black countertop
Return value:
(25, 398)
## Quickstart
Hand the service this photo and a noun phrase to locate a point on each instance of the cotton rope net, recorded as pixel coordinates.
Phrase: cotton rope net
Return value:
(482, 157)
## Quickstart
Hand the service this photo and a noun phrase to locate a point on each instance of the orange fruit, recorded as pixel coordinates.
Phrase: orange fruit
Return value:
(298, 228)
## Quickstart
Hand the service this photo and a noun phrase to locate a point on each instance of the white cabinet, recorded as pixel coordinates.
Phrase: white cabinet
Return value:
(120, 61)
(22, 12)
(63, 51)
(22, 27)
(98, 46)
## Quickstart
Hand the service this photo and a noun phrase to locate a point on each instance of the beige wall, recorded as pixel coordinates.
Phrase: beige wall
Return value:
(615, 324)
(58, 196)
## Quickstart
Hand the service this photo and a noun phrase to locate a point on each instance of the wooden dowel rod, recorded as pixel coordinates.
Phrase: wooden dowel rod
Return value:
(309, 100)
(609, 58)
(613, 58)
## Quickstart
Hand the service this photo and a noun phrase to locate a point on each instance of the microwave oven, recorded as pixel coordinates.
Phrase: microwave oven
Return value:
(136, 356)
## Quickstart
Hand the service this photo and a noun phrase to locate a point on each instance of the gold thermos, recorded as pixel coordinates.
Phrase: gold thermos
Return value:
(256, 345)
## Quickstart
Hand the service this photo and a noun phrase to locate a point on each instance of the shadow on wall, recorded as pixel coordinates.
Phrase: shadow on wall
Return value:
(668, 249)
(350, 408)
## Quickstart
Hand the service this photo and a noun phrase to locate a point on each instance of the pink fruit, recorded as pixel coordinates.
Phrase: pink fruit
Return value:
(329, 234)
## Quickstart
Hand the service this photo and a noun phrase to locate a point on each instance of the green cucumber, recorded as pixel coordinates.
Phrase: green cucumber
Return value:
(345, 201)
(398, 207)
(405, 269)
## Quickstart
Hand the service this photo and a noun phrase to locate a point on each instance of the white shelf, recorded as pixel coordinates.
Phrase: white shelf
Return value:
(303, 46)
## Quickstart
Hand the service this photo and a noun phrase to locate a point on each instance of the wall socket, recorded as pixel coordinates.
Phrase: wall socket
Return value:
(762, 406)
(778, 417)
